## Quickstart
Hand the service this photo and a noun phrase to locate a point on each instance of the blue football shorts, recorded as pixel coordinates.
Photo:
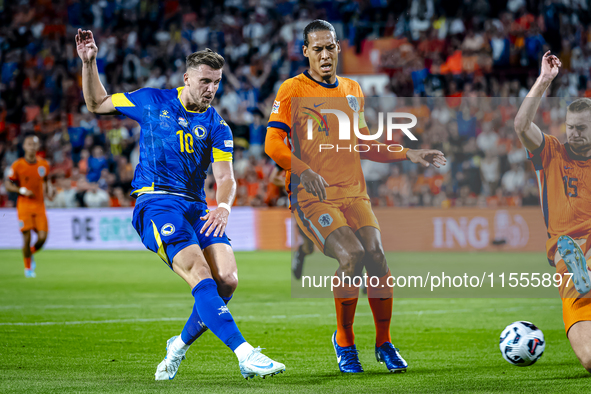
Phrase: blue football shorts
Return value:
(167, 224)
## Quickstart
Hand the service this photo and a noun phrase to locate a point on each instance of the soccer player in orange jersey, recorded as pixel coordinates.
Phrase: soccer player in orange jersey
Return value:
(328, 192)
(28, 177)
(564, 177)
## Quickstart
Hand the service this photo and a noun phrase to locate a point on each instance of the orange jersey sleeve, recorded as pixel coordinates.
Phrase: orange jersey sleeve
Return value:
(14, 171)
(281, 113)
(278, 150)
(279, 130)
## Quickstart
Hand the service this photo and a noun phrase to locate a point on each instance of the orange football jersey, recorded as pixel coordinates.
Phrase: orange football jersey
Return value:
(565, 195)
(300, 100)
(31, 176)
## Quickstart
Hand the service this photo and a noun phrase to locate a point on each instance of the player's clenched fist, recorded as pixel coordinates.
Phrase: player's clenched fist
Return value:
(314, 184)
(86, 46)
(216, 221)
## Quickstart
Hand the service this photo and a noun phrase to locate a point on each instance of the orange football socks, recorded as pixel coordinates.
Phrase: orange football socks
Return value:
(345, 299)
(380, 301)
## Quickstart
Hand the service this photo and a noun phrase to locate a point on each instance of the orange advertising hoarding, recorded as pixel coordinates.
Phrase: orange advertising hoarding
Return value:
(427, 229)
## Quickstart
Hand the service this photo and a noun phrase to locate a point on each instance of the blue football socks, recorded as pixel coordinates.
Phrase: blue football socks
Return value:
(195, 327)
(210, 310)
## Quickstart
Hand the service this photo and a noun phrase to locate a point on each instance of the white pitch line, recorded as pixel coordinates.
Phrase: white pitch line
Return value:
(54, 323)
(123, 306)
(274, 317)
(189, 303)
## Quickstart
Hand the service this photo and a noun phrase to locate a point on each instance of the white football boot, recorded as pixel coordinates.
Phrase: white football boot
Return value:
(168, 368)
(257, 364)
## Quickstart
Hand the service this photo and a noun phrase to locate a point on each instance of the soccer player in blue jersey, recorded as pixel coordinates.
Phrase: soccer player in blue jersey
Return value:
(180, 136)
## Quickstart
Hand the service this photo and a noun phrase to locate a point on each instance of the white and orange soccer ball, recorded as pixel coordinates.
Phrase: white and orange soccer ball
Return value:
(522, 343)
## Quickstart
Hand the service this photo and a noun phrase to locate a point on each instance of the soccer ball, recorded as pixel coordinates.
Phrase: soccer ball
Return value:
(522, 343)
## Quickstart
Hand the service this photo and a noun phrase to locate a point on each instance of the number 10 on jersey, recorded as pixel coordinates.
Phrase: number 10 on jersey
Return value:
(186, 141)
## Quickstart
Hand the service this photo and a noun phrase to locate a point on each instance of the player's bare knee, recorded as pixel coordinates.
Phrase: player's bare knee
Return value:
(375, 262)
(375, 256)
(227, 284)
(375, 253)
(352, 262)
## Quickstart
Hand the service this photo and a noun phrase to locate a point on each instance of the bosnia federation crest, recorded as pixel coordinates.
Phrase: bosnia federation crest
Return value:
(167, 229)
(325, 220)
(353, 103)
(200, 132)
(41, 171)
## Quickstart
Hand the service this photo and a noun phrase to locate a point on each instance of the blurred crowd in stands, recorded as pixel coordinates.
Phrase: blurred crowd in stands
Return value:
(454, 60)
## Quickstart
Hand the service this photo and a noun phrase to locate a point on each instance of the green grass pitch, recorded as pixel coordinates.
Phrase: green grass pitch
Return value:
(98, 322)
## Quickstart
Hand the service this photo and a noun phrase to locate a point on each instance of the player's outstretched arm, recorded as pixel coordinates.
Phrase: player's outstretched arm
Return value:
(95, 95)
(425, 157)
(380, 153)
(217, 220)
(528, 132)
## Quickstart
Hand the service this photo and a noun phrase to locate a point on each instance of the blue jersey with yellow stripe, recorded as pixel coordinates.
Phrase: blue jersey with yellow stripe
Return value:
(176, 145)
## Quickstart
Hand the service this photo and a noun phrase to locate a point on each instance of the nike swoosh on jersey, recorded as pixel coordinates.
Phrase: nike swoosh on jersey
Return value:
(316, 106)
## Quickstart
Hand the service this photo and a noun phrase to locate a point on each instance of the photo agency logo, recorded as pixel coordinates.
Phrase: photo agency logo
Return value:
(318, 118)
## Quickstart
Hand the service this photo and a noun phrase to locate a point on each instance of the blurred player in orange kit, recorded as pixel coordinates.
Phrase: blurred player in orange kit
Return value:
(564, 178)
(304, 244)
(327, 190)
(28, 177)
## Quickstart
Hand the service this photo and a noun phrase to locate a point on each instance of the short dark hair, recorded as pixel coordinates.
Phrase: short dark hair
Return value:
(29, 134)
(318, 25)
(580, 105)
(207, 57)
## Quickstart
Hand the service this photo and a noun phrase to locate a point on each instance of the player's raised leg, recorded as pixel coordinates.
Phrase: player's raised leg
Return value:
(343, 245)
(575, 262)
(579, 336)
(191, 265)
(222, 264)
(575, 307)
(380, 298)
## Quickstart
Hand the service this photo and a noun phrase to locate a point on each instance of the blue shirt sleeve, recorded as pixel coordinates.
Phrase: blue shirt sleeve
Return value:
(132, 104)
(222, 142)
